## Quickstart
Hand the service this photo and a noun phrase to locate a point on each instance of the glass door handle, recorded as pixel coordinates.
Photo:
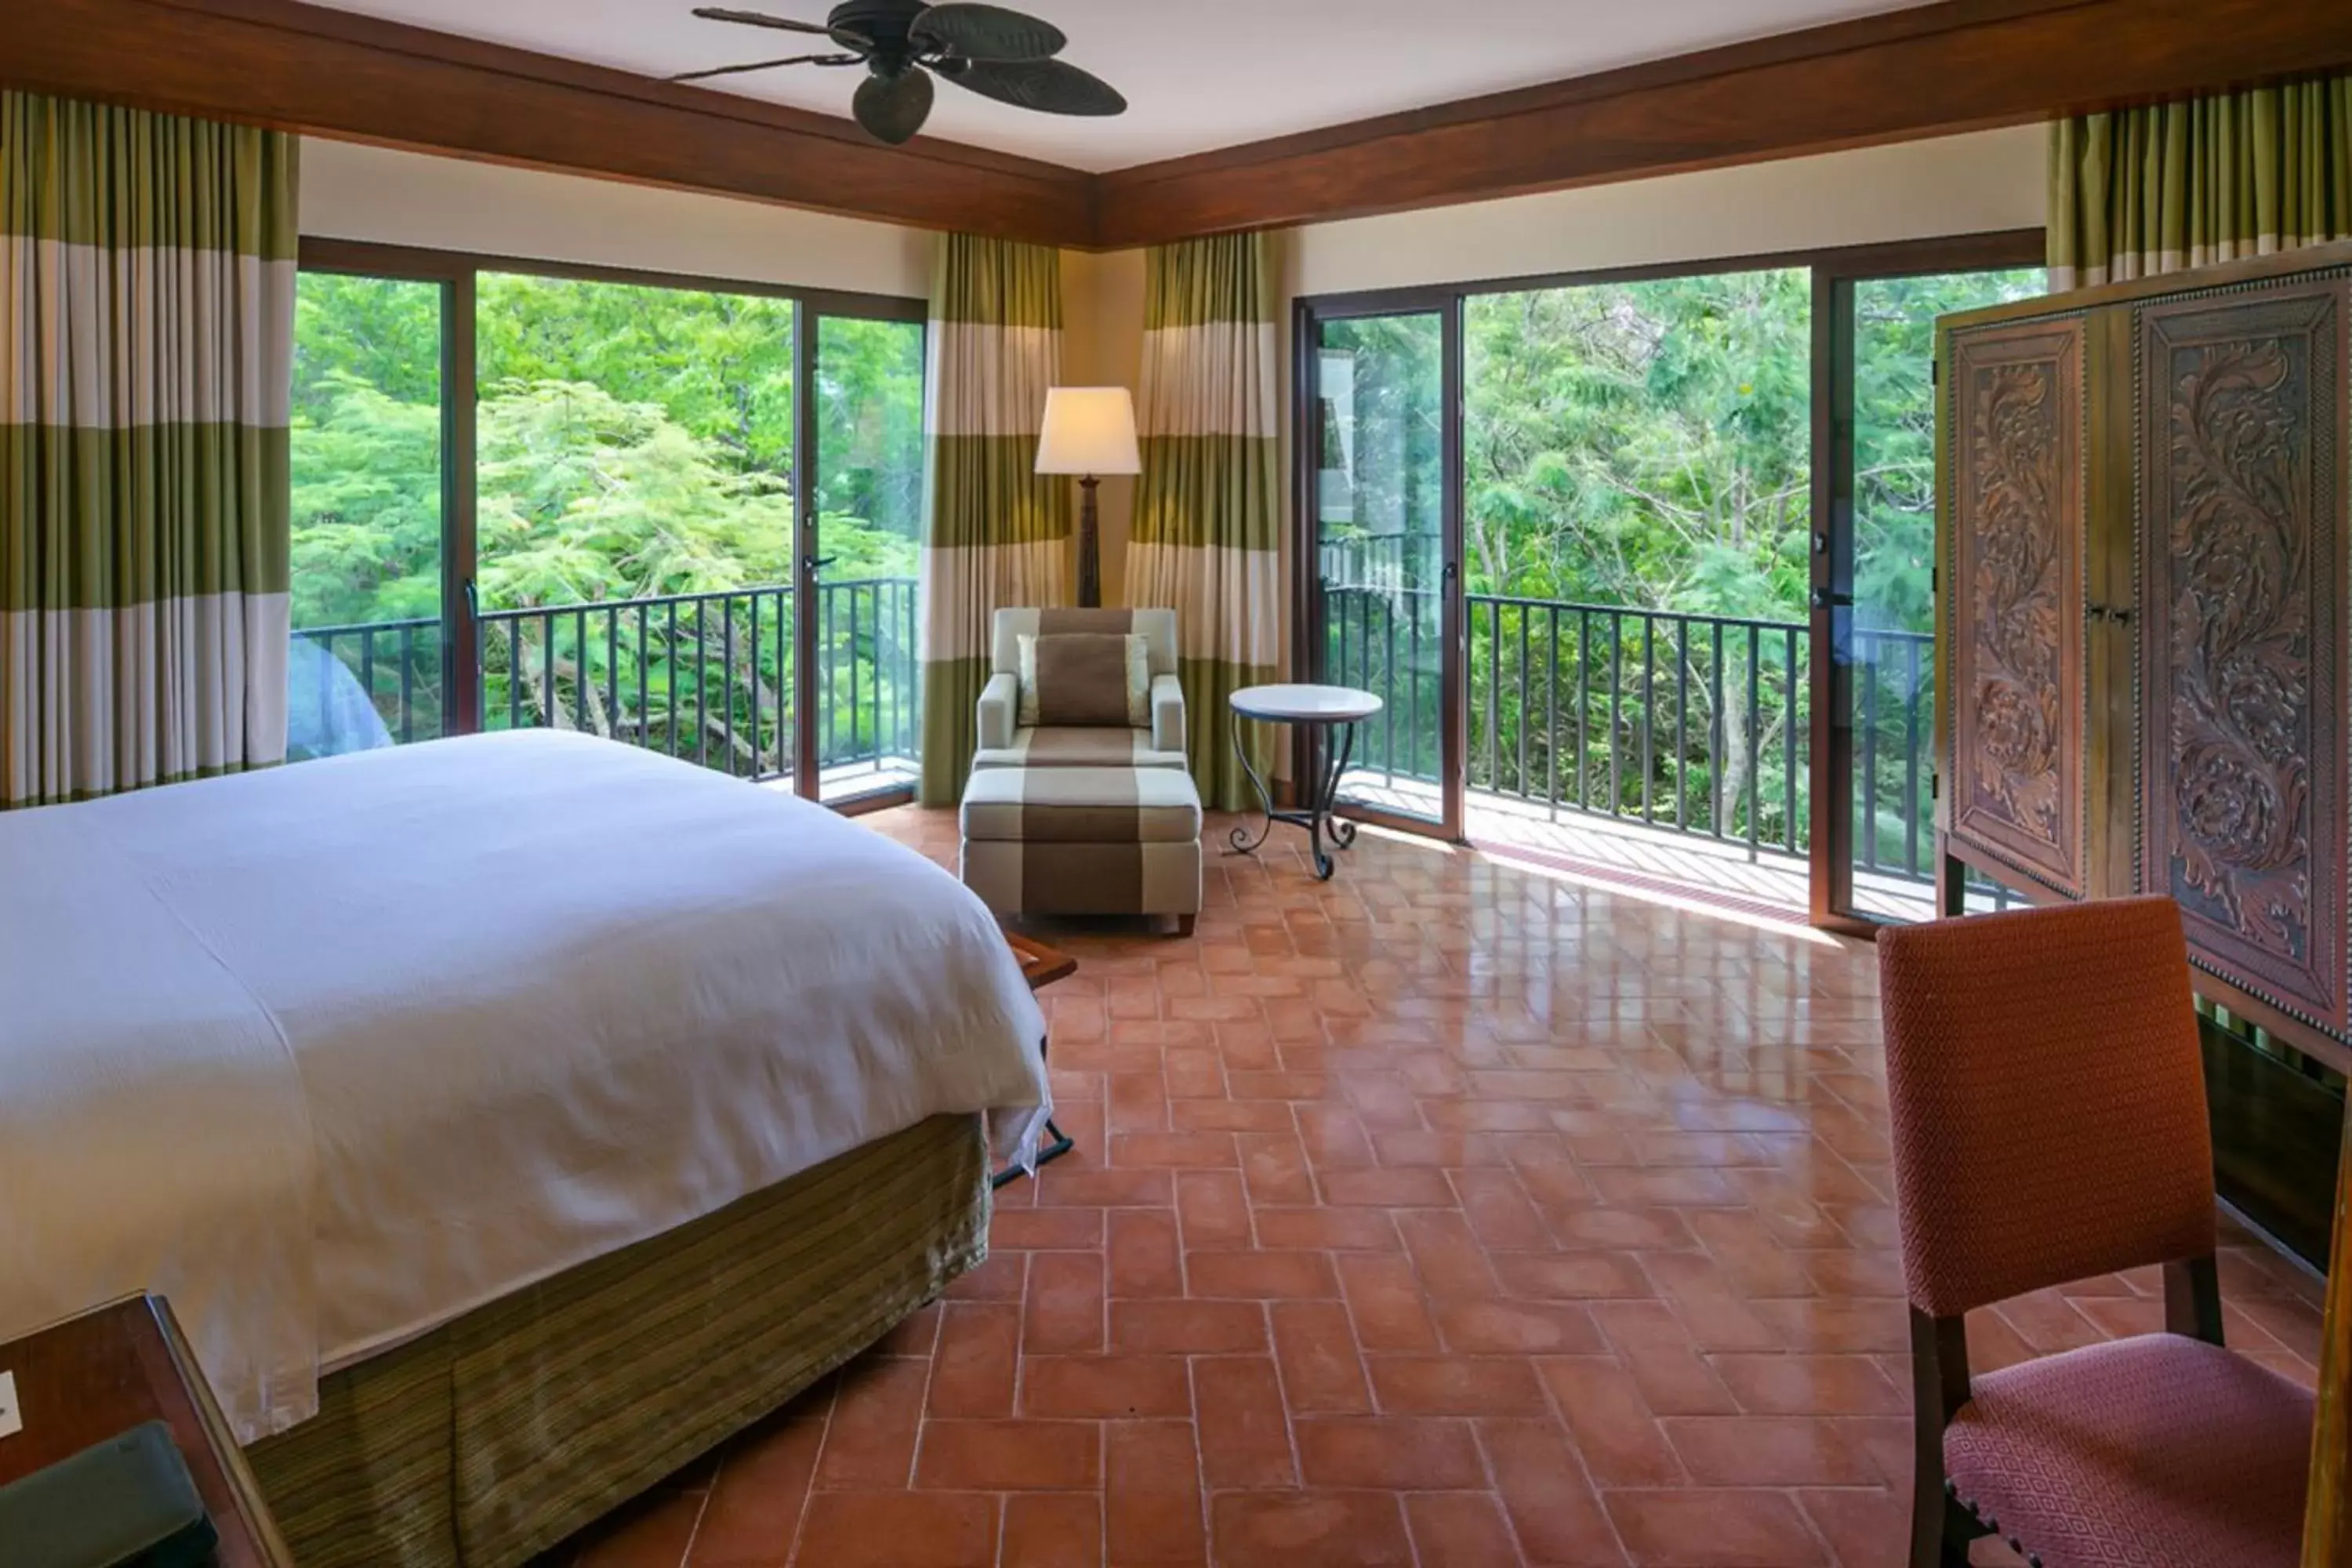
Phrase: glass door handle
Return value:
(813, 565)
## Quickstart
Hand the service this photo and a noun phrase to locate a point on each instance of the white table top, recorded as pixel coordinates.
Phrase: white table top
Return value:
(1305, 704)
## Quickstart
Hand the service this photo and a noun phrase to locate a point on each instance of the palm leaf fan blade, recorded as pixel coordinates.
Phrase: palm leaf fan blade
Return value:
(977, 32)
(758, 19)
(1050, 86)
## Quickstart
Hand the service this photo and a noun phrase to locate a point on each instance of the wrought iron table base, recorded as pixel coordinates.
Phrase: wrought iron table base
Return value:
(1322, 791)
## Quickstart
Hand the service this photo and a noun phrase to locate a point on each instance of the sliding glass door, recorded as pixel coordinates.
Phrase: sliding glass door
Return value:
(865, 522)
(1642, 564)
(1386, 553)
(367, 668)
(678, 514)
(1880, 581)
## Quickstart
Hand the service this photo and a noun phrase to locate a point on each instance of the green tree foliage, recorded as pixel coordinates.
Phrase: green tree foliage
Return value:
(630, 442)
(1644, 446)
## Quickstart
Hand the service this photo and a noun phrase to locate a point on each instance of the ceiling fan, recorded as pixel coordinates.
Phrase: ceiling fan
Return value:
(902, 44)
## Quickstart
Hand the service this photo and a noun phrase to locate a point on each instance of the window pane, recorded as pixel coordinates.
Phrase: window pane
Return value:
(1637, 498)
(634, 469)
(869, 497)
(1887, 641)
(1380, 544)
(365, 666)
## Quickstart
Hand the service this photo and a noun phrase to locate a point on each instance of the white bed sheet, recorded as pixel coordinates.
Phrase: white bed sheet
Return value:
(332, 1054)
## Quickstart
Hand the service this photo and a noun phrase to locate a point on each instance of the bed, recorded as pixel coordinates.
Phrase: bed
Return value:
(507, 1118)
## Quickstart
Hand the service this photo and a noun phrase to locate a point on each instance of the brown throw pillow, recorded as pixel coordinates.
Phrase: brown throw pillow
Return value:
(1080, 678)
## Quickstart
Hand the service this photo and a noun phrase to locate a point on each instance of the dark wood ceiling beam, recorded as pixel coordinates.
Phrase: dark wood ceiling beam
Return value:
(1929, 71)
(331, 73)
(1954, 66)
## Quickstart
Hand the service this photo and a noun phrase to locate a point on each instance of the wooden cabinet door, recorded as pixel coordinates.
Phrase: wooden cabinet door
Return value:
(2014, 548)
(2243, 669)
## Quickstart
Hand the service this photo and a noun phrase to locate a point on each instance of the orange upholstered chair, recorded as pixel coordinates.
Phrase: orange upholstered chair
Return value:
(2048, 1121)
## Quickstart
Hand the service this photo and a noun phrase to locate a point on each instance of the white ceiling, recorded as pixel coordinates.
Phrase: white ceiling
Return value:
(1198, 74)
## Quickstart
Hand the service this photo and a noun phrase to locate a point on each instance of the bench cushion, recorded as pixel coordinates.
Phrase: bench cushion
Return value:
(1081, 805)
(1064, 746)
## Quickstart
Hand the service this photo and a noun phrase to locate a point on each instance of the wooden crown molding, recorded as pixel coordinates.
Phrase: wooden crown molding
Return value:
(1932, 69)
(1959, 65)
(302, 68)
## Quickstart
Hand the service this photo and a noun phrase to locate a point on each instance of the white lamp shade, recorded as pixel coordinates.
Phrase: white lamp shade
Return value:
(1088, 430)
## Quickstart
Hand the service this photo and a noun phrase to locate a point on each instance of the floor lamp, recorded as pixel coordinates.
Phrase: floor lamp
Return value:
(1088, 431)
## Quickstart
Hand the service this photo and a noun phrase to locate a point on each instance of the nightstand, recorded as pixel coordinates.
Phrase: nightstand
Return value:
(92, 1377)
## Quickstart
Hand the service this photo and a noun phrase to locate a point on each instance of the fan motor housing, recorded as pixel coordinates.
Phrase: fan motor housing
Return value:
(883, 21)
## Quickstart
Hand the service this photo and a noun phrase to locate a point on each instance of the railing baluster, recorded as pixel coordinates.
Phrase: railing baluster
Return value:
(758, 748)
(702, 683)
(1523, 791)
(407, 684)
(1869, 825)
(1388, 691)
(726, 677)
(1719, 740)
(1911, 757)
(326, 690)
(1755, 734)
(547, 667)
(1790, 689)
(1494, 682)
(857, 711)
(1616, 712)
(612, 670)
(367, 664)
(1413, 714)
(1551, 715)
(1584, 707)
(1649, 716)
(1681, 725)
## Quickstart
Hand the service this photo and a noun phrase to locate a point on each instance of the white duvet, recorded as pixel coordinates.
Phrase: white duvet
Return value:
(330, 1054)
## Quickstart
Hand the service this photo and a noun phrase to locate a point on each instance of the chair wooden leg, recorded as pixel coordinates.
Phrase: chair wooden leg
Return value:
(1184, 924)
(2192, 1299)
(1940, 1529)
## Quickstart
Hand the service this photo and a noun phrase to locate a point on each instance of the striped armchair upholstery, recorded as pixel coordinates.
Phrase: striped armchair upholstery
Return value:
(1004, 743)
(1082, 819)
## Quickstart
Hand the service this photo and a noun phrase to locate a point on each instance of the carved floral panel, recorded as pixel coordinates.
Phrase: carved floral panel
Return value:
(2243, 568)
(2017, 585)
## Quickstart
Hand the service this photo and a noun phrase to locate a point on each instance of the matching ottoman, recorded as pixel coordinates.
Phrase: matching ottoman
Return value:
(1084, 841)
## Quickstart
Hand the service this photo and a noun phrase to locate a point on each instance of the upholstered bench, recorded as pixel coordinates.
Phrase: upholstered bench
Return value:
(1084, 841)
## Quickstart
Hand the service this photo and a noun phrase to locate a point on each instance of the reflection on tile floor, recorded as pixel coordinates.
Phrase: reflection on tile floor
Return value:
(1450, 1213)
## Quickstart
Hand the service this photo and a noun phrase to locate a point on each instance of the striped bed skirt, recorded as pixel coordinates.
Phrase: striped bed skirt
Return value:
(500, 1434)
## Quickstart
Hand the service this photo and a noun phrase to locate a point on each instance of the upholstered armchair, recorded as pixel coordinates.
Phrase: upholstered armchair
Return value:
(1005, 741)
(1079, 802)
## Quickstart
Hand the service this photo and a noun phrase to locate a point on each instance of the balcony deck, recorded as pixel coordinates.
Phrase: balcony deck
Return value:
(1769, 881)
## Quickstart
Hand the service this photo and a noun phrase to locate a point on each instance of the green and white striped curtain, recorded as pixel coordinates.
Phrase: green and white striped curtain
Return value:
(1206, 541)
(2146, 191)
(996, 533)
(146, 363)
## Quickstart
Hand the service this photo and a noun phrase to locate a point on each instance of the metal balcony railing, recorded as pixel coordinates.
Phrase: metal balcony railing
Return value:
(1687, 724)
(707, 676)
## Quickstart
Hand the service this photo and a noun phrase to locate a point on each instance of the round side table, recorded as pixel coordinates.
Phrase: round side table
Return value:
(1328, 716)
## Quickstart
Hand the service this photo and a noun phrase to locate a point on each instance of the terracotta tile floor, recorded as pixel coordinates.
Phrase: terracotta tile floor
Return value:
(1448, 1213)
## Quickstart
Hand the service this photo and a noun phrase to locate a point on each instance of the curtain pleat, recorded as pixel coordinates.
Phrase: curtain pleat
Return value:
(995, 532)
(1206, 541)
(2141, 191)
(146, 363)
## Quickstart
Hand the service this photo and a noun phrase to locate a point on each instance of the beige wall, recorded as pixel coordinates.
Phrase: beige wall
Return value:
(1956, 184)
(351, 191)
(1102, 345)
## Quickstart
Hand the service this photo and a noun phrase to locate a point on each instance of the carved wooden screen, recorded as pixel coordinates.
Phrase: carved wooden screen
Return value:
(2242, 565)
(2015, 591)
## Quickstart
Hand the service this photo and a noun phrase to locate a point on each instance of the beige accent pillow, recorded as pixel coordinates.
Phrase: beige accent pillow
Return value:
(1085, 679)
